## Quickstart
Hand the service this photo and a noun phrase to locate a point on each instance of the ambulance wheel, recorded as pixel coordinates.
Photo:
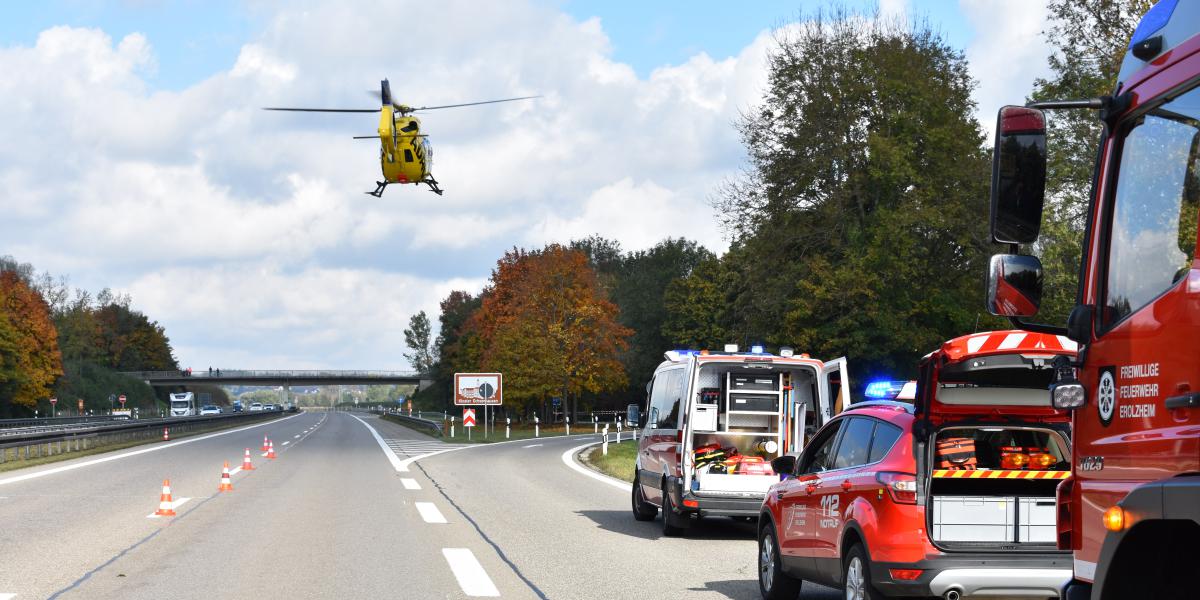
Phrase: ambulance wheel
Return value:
(773, 583)
(673, 524)
(642, 510)
(856, 576)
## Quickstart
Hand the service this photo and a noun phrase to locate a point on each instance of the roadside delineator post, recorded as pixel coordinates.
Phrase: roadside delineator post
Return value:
(246, 464)
(536, 427)
(618, 430)
(567, 420)
(451, 426)
(595, 424)
(271, 450)
(166, 434)
(226, 482)
(604, 444)
(507, 426)
(166, 506)
(265, 443)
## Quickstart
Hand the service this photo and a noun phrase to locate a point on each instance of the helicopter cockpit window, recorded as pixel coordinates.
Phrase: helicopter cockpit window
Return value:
(407, 155)
(411, 127)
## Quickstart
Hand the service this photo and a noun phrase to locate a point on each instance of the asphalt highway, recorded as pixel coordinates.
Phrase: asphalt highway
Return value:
(353, 507)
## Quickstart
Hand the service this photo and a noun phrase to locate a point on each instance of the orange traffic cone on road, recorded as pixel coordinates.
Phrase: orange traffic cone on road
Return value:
(166, 434)
(226, 482)
(246, 466)
(166, 506)
(265, 443)
(271, 450)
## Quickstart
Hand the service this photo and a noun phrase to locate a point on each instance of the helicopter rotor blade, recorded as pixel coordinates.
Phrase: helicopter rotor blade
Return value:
(328, 110)
(474, 103)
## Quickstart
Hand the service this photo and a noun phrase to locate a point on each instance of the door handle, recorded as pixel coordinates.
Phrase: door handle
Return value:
(1185, 401)
(846, 484)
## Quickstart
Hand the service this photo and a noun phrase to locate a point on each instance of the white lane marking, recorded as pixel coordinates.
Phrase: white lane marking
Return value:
(391, 456)
(7, 596)
(295, 436)
(174, 505)
(235, 471)
(105, 459)
(264, 454)
(568, 459)
(286, 443)
(429, 511)
(410, 484)
(531, 446)
(471, 577)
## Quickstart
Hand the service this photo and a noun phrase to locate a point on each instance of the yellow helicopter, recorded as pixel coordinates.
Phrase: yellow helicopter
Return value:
(405, 154)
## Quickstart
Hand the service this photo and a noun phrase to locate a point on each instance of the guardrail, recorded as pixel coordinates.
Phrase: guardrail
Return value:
(67, 438)
(417, 421)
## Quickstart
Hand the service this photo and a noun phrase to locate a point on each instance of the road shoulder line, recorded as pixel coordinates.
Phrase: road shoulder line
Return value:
(568, 459)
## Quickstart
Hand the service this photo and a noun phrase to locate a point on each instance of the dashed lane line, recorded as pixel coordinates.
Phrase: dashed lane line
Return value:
(88, 463)
(174, 505)
(7, 596)
(409, 483)
(286, 443)
(471, 577)
(430, 513)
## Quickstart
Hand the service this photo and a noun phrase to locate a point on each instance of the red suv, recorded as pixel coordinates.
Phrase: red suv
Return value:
(950, 496)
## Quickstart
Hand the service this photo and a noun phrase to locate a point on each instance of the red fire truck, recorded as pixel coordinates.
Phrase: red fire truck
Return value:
(1130, 511)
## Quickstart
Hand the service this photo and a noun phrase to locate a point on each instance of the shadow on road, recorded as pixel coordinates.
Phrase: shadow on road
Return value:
(747, 589)
(711, 528)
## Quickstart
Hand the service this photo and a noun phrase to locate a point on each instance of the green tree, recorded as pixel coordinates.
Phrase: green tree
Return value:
(1089, 41)
(417, 338)
(858, 222)
(697, 307)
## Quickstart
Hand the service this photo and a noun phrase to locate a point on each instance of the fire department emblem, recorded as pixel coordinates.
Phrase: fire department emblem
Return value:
(1106, 396)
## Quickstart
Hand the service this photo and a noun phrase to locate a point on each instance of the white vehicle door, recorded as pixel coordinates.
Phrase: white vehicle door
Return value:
(833, 390)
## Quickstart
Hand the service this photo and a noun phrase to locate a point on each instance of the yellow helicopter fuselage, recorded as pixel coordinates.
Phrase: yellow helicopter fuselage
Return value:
(405, 155)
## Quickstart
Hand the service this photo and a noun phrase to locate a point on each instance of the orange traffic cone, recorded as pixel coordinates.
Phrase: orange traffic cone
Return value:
(271, 450)
(226, 482)
(166, 434)
(265, 443)
(166, 506)
(246, 466)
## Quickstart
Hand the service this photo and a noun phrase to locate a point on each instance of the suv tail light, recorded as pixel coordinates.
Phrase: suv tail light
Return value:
(901, 486)
(1063, 496)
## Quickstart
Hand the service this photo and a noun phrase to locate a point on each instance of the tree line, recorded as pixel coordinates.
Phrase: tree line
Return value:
(63, 342)
(858, 228)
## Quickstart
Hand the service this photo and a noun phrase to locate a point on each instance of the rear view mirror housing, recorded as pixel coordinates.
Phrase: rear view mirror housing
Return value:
(633, 415)
(784, 465)
(1018, 175)
(1014, 285)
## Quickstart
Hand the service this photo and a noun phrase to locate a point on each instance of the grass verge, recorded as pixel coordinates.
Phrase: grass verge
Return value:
(520, 432)
(619, 461)
(11, 464)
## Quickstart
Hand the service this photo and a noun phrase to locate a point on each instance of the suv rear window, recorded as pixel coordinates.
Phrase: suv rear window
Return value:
(985, 447)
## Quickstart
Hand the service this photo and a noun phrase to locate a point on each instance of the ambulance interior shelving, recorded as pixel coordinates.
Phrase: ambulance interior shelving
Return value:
(744, 411)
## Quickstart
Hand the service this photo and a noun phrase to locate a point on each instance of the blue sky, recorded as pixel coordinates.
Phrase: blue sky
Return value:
(247, 235)
(194, 39)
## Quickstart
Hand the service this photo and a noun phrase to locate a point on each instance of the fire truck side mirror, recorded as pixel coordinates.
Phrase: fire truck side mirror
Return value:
(1014, 285)
(1018, 175)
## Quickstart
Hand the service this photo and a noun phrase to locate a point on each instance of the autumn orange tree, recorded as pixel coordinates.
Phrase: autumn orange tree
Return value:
(29, 357)
(544, 322)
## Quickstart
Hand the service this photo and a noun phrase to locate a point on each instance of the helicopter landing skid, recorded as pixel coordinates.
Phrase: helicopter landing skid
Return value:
(379, 187)
(433, 186)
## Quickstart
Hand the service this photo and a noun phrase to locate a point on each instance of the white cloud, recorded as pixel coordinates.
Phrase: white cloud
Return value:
(1007, 53)
(246, 233)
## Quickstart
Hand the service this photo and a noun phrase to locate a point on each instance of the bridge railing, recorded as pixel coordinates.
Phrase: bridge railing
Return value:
(266, 374)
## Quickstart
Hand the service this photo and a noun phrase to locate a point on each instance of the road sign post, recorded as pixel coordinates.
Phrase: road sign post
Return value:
(53, 403)
(121, 399)
(81, 407)
(478, 389)
(468, 421)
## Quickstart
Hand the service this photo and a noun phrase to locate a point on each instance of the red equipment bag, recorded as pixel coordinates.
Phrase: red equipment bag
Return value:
(754, 465)
(955, 453)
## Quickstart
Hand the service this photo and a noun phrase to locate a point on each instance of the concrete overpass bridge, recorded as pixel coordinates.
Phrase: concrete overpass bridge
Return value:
(286, 379)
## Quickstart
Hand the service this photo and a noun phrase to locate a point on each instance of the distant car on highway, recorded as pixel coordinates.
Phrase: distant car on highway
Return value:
(209, 409)
(237, 406)
(291, 407)
(256, 406)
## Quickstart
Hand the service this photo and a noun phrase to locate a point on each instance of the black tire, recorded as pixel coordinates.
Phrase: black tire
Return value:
(773, 583)
(642, 510)
(861, 588)
(673, 524)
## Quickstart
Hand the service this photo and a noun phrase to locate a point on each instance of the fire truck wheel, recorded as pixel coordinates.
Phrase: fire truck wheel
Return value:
(642, 510)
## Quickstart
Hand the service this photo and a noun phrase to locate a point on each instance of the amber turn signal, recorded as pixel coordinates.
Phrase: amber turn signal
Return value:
(1114, 519)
